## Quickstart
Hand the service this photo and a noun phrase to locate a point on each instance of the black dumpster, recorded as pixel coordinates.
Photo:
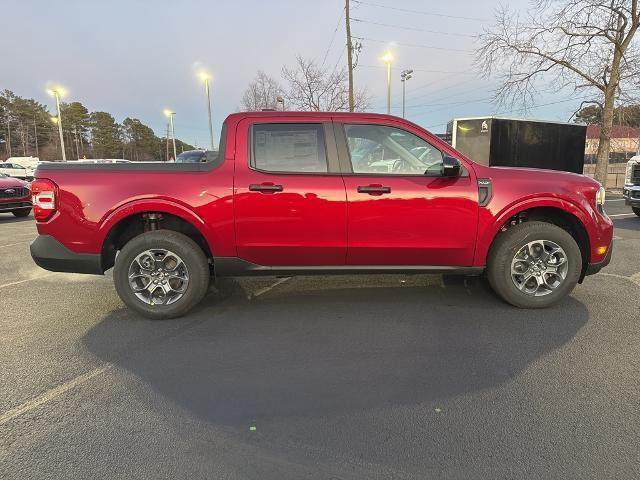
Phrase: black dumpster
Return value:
(509, 142)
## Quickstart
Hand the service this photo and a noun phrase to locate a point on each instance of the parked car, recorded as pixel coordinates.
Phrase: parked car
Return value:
(287, 196)
(631, 190)
(29, 163)
(15, 196)
(14, 170)
(100, 160)
(196, 156)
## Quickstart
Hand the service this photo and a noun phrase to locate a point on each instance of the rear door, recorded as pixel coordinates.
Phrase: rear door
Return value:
(290, 200)
(401, 210)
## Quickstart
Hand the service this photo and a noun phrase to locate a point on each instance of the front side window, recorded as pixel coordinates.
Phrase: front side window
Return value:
(377, 149)
(286, 147)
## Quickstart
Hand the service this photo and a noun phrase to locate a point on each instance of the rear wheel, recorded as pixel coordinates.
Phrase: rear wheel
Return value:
(636, 210)
(534, 265)
(161, 274)
(23, 212)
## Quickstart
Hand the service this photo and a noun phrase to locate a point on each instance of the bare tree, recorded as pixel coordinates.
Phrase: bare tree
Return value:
(313, 89)
(262, 93)
(583, 45)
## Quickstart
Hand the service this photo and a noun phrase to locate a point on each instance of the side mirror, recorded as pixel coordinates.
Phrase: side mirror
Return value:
(451, 167)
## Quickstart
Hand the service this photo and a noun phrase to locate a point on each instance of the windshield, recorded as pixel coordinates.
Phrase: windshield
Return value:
(190, 157)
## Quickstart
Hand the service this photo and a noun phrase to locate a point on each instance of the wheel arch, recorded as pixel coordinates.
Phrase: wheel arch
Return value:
(135, 218)
(561, 213)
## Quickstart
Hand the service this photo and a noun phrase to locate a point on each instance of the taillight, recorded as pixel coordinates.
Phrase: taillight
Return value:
(43, 196)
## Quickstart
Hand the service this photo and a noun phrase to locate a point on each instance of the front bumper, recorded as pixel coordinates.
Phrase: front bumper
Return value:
(50, 254)
(631, 195)
(14, 205)
(594, 268)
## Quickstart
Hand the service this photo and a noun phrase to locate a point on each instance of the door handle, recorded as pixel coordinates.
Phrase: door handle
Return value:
(374, 189)
(265, 187)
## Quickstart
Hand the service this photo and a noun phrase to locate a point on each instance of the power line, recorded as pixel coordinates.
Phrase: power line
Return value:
(420, 12)
(421, 69)
(414, 29)
(333, 37)
(523, 109)
(417, 45)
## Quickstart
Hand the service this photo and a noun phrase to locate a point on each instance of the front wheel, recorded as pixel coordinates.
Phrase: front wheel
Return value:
(23, 212)
(636, 210)
(161, 274)
(534, 265)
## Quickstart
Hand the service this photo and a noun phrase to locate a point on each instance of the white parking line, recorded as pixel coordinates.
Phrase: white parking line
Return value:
(52, 393)
(13, 244)
(270, 287)
(623, 215)
(26, 280)
(616, 200)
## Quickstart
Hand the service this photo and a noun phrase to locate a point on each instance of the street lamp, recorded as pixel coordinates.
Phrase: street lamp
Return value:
(405, 75)
(205, 77)
(280, 100)
(388, 59)
(57, 93)
(169, 114)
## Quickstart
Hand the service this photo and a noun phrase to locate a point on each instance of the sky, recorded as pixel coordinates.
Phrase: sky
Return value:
(136, 58)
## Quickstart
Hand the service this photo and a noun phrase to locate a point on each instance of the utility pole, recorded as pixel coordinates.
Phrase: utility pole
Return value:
(56, 94)
(35, 135)
(75, 138)
(8, 135)
(166, 158)
(169, 114)
(349, 54)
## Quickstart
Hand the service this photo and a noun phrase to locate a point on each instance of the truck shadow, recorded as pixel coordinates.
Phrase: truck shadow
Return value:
(312, 350)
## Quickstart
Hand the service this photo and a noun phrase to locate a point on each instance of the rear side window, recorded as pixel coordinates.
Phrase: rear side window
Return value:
(289, 147)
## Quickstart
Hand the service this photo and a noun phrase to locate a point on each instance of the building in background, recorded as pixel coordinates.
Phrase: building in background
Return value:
(624, 143)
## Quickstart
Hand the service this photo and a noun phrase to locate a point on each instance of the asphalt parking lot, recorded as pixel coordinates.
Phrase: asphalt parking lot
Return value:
(376, 377)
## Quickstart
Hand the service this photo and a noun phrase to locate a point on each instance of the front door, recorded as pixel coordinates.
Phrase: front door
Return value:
(290, 200)
(401, 210)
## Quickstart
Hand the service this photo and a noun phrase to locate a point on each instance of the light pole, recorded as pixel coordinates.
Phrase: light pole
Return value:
(56, 92)
(205, 77)
(388, 59)
(405, 75)
(170, 115)
(280, 100)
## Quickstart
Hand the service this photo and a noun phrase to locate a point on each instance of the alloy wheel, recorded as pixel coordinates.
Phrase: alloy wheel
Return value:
(158, 277)
(539, 267)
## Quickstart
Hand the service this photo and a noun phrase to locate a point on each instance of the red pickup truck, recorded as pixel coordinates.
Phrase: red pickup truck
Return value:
(319, 193)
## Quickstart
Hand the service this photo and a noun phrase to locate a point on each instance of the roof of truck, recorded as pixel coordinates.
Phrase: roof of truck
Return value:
(279, 113)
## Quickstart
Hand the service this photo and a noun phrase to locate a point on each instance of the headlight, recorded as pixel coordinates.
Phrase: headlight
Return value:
(600, 197)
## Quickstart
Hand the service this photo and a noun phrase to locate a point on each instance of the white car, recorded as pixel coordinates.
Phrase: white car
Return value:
(15, 170)
(30, 163)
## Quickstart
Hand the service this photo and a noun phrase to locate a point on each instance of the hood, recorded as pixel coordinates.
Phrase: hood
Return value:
(9, 182)
(536, 175)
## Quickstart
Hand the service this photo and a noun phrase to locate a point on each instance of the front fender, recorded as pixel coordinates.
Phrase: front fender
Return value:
(490, 223)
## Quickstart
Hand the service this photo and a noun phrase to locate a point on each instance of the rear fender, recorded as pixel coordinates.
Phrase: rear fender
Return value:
(159, 206)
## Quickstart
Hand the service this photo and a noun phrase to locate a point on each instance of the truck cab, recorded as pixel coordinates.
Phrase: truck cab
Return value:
(631, 190)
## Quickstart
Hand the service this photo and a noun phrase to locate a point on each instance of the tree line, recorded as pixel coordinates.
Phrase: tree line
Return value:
(27, 128)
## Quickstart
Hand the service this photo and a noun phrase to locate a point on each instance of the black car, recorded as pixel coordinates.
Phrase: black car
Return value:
(197, 156)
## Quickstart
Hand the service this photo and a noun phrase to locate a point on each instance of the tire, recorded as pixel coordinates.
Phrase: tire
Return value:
(178, 246)
(23, 212)
(636, 210)
(509, 247)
